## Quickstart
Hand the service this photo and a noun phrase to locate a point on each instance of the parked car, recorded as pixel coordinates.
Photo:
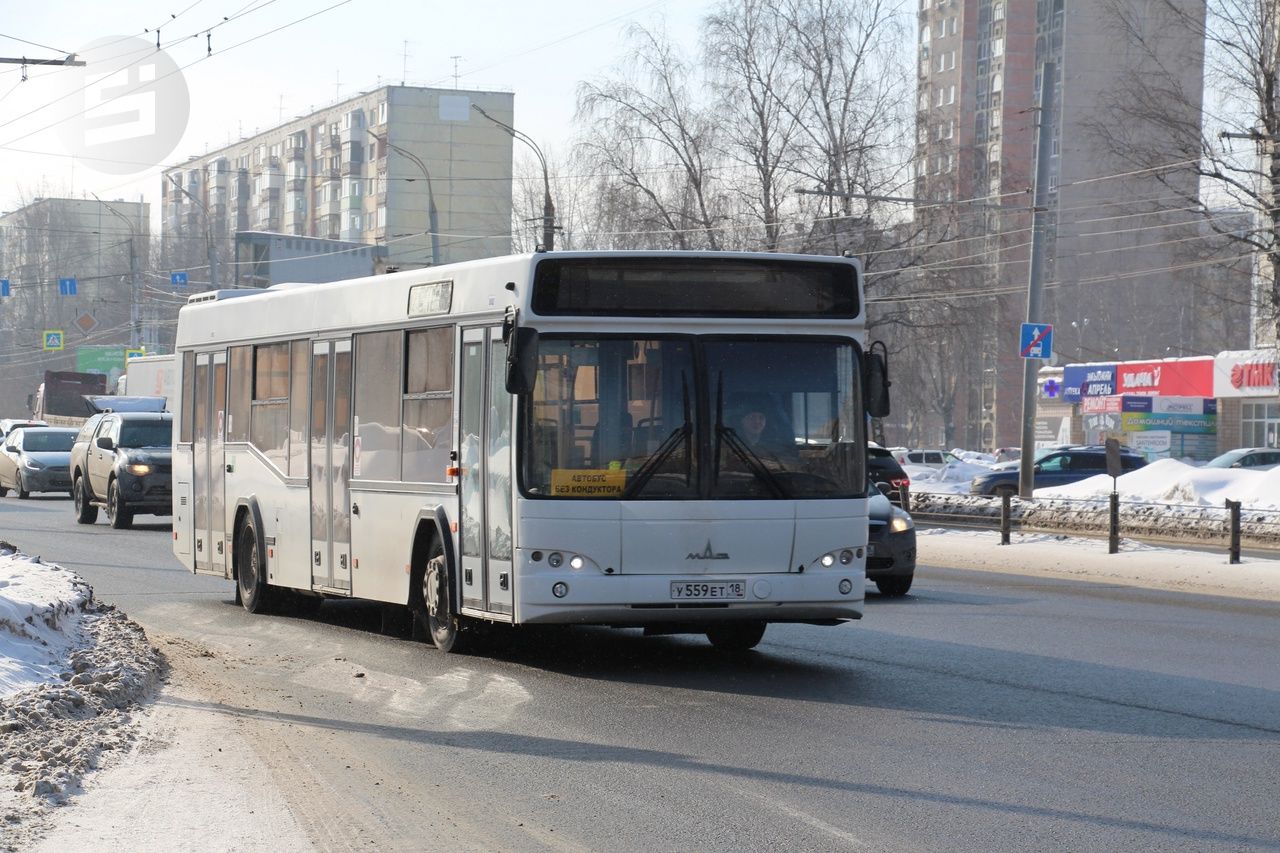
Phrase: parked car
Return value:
(891, 545)
(122, 461)
(1256, 458)
(8, 425)
(928, 458)
(1055, 468)
(883, 468)
(36, 459)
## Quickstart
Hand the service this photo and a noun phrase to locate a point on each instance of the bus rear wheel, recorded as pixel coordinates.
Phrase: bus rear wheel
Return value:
(443, 624)
(736, 636)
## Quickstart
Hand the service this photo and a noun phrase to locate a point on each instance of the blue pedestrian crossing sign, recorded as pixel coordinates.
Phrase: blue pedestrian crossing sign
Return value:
(178, 279)
(4, 287)
(1036, 340)
(52, 339)
(66, 287)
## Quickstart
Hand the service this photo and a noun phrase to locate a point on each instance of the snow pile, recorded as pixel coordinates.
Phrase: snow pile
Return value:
(974, 456)
(1172, 482)
(73, 670)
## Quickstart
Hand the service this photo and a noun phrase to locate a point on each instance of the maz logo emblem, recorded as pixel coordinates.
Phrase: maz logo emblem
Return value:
(708, 553)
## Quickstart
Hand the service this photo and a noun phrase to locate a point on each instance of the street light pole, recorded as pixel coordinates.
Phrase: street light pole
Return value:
(135, 314)
(432, 221)
(548, 207)
(208, 233)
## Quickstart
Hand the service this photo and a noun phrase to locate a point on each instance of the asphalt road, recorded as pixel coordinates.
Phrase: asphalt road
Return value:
(985, 711)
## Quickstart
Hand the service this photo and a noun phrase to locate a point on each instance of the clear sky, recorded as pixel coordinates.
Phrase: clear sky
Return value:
(320, 51)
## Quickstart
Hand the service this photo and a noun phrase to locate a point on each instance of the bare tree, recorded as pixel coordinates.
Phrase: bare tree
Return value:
(1232, 148)
(642, 121)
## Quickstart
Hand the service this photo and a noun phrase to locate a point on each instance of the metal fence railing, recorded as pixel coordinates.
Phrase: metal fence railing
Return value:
(1231, 526)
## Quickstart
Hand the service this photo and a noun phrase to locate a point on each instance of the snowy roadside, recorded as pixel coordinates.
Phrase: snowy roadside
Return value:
(73, 672)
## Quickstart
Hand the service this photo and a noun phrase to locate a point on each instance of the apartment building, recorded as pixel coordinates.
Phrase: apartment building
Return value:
(1120, 255)
(416, 172)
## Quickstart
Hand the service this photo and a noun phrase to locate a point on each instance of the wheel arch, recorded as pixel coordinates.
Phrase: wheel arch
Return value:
(431, 524)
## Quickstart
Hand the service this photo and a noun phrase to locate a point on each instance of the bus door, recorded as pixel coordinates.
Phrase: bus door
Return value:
(208, 477)
(486, 488)
(330, 466)
(218, 542)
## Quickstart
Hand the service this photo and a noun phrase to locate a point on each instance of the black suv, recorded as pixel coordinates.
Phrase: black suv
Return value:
(883, 468)
(123, 461)
(1057, 467)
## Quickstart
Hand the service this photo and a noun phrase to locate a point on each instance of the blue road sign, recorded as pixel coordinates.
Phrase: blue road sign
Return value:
(66, 287)
(4, 287)
(178, 279)
(1051, 388)
(1036, 340)
(52, 339)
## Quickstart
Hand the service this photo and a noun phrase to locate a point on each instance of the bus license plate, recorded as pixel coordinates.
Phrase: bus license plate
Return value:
(708, 590)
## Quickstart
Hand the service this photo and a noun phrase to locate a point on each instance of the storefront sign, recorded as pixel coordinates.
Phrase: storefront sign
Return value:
(1151, 441)
(1175, 377)
(1088, 380)
(1100, 405)
(1246, 374)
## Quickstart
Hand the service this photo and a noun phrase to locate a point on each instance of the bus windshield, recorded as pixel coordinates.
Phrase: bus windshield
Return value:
(693, 418)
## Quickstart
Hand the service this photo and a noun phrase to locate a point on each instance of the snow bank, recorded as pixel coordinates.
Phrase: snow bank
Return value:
(1173, 482)
(72, 671)
(950, 479)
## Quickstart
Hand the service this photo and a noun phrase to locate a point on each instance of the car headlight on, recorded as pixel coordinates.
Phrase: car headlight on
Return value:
(139, 469)
(900, 522)
(33, 464)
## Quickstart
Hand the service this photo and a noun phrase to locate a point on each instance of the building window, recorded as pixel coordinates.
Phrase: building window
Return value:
(995, 118)
(924, 34)
(382, 112)
(997, 82)
(951, 25)
(1260, 425)
(997, 47)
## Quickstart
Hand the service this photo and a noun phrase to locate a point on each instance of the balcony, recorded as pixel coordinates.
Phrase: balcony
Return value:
(353, 169)
(296, 185)
(269, 195)
(335, 141)
(297, 152)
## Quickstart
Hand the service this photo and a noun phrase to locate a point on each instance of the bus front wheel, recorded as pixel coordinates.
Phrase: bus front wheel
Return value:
(437, 593)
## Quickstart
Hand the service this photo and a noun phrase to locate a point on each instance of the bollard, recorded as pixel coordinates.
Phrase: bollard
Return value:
(1113, 541)
(1233, 550)
(1005, 501)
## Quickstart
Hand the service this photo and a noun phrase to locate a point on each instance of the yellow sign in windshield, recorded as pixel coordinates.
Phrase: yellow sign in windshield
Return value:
(589, 483)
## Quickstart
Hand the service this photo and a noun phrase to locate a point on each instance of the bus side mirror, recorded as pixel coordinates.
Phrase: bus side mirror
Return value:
(876, 381)
(522, 360)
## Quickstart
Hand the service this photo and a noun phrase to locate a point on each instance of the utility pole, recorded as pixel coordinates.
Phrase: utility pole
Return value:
(135, 309)
(1035, 283)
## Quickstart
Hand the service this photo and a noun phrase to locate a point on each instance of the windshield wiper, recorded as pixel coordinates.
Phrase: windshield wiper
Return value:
(679, 436)
(746, 454)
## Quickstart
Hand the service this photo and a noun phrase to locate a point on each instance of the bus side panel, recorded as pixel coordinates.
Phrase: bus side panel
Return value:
(382, 541)
(182, 515)
(290, 525)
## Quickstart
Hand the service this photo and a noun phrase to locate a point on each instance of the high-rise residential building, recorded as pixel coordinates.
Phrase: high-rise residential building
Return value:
(417, 173)
(78, 296)
(1122, 256)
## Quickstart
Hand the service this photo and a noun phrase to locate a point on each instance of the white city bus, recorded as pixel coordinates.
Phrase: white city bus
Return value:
(546, 438)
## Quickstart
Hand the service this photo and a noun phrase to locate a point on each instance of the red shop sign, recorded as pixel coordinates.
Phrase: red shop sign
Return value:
(1180, 377)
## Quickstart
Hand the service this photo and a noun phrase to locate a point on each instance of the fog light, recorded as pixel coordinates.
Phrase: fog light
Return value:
(846, 586)
(555, 559)
(576, 562)
(559, 589)
(828, 560)
(846, 557)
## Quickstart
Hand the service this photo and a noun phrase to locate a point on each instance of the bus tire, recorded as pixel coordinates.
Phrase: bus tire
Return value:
(255, 594)
(86, 513)
(737, 636)
(444, 625)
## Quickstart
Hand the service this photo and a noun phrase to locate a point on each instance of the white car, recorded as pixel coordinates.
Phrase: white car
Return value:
(927, 458)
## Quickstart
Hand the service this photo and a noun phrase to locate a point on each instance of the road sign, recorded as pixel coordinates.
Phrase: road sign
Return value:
(178, 279)
(4, 287)
(1036, 340)
(52, 339)
(134, 353)
(1051, 388)
(66, 287)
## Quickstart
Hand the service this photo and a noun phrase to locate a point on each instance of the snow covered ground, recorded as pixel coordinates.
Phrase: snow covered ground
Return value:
(77, 679)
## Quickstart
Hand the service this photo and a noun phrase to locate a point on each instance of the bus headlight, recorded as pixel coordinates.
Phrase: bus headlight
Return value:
(846, 586)
(555, 559)
(576, 562)
(559, 589)
(828, 560)
(846, 557)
